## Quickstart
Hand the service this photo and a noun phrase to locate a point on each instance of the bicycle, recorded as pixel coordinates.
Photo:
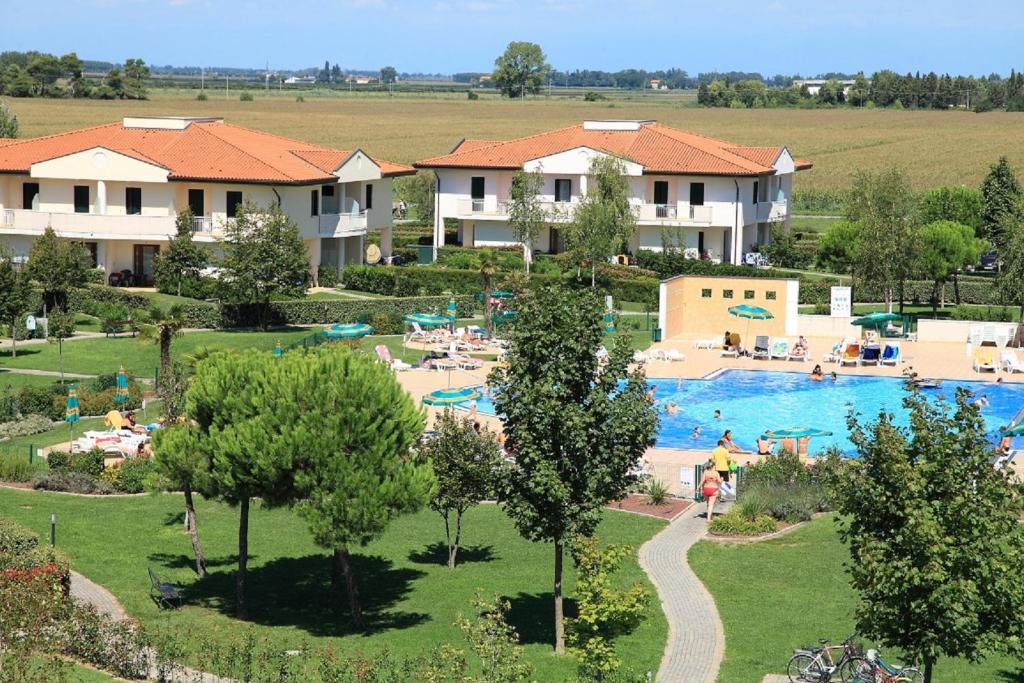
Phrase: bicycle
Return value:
(816, 664)
(873, 669)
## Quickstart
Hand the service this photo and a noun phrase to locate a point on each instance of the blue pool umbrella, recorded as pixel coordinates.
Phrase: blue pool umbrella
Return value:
(609, 322)
(876, 319)
(1017, 430)
(71, 411)
(348, 330)
(121, 394)
(797, 433)
(427, 319)
(750, 313)
(453, 310)
(448, 397)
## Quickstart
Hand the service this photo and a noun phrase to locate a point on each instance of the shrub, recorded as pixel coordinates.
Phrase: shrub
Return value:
(58, 461)
(781, 470)
(128, 476)
(90, 462)
(201, 97)
(16, 539)
(36, 400)
(25, 426)
(246, 96)
(16, 467)
(657, 492)
(732, 523)
(8, 405)
(116, 646)
(81, 299)
(387, 323)
(72, 482)
(794, 502)
(300, 98)
(470, 95)
(591, 96)
(1000, 314)
(327, 276)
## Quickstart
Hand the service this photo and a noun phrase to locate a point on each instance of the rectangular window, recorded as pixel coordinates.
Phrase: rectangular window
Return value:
(748, 294)
(661, 192)
(327, 190)
(563, 190)
(705, 294)
(476, 192)
(133, 201)
(726, 293)
(369, 197)
(700, 243)
(770, 295)
(314, 202)
(234, 200)
(30, 196)
(755, 192)
(90, 248)
(196, 202)
(696, 194)
(81, 199)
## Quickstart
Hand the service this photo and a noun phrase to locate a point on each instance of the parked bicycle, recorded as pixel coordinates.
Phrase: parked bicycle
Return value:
(817, 665)
(873, 669)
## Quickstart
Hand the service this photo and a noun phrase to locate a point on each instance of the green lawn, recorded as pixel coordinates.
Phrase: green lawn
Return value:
(166, 300)
(411, 595)
(785, 593)
(83, 674)
(811, 223)
(16, 381)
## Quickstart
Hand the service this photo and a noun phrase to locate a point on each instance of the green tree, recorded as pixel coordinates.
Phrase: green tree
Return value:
(14, 296)
(860, 91)
(356, 473)
(576, 428)
(162, 326)
(58, 265)
(465, 464)
(934, 535)
(604, 610)
(388, 75)
(885, 209)
(44, 69)
(526, 214)
(944, 248)
(1001, 196)
(1011, 259)
(183, 260)
(488, 265)
(958, 204)
(495, 643)
(837, 247)
(113, 85)
(418, 192)
(781, 250)
(603, 221)
(239, 420)
(523, 68)
(60, 325)
(73, 71)
(137, 73)
(264, 257)
(8, 122)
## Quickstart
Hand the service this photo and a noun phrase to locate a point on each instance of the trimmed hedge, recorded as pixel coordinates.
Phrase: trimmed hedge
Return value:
(321, 312)
(84, 298)
(15, 538)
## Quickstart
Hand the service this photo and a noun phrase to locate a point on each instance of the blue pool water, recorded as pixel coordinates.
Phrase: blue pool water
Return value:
(752, 402)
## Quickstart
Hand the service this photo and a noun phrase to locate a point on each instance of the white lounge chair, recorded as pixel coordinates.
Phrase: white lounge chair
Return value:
(761, 347)
(1011, 362)
(800, 353)
(639, 357)
(983, 361)
(780, 349)
(891, 354)
(384, 354)
(674, 355)
(850, 355)
(656, 354)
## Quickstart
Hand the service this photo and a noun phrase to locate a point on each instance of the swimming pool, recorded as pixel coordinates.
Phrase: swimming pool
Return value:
(753, 401)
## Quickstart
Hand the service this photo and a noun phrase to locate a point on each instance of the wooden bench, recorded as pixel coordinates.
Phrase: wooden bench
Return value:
(163, 593)
(116, 327)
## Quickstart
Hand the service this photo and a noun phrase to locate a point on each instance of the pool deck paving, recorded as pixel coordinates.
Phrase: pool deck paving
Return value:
(696, 638)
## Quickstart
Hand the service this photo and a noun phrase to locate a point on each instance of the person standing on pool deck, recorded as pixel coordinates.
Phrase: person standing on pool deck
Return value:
(709, 485)
(720, 457)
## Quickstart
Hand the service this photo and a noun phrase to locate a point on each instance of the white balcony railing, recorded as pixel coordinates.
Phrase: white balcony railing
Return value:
(88, 225)
(338, 224)
(499, 208)
(202, 224)
(683, 213)
(771, 212)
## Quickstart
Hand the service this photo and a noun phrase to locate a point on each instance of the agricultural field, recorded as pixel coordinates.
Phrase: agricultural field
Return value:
(934, 147)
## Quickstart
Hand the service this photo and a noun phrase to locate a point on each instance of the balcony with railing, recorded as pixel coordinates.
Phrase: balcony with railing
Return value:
(688, 214)
(492, 207)
(342, 224)
(771, 212)
(87, 225)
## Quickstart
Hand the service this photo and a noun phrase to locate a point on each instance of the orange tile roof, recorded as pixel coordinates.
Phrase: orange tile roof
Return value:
(659, 149)
(203, 150)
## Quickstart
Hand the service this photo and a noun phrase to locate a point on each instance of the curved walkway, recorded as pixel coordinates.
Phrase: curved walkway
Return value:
(696, 639)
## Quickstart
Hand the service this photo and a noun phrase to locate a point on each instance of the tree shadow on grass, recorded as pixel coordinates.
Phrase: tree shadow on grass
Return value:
(295, 591)
(533, 616)
(30, 350)
(182, 561)
(1009, 676)
(437, 553)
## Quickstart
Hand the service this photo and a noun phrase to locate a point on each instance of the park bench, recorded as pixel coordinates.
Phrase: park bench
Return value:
(163, 593)
(116, 327)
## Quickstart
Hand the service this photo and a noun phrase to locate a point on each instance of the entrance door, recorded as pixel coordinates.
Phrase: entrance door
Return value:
(661, 198)
(196, 202)
(30, 196)
(555, 239)
(145, 255)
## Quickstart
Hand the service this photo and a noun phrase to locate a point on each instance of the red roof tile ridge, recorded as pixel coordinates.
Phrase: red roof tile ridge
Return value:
(22, 141)
(500, 143)
(269, 165)
(212, 127)
(717, 148)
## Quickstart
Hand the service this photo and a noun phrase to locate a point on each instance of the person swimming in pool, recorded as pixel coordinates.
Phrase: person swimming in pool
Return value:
(835, 377)
(817, 374)
(696, 432)
(982, 401)
(672, 408)
(718, 415)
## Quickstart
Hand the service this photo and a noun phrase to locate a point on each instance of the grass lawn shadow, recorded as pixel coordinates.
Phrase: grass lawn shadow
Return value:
(533, 616)
(295, 591)
(22, 351)
(182, 561)
(437, 553)
(1008, 676)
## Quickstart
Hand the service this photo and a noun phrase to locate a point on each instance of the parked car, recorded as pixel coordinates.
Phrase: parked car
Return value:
(990, 261)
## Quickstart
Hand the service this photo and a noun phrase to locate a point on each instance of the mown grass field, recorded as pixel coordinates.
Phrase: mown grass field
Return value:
(935, 147)
(411, 596)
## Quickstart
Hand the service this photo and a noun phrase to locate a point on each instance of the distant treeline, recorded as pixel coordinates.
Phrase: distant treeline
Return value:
(883, 89)
(40, 74)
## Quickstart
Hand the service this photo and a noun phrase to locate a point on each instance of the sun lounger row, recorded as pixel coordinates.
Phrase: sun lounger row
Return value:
(779, 349)
(984, 361)
(853, 353)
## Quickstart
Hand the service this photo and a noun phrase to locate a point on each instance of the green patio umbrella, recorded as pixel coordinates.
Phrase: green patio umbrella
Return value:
(453, 310)
(1016, 430)
(347, 330)
(448, 397)
(876, 319)
(797, 433)
(609, 322)
(750, 313)
(121, 394)
(427, 319)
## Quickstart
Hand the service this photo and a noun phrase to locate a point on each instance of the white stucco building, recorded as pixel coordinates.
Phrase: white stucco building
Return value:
(119, 187)
(709, 197)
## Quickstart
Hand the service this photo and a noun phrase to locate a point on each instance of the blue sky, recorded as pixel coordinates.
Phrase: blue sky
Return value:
(770, 36)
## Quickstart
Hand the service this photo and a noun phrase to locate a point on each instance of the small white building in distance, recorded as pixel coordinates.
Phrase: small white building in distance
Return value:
(119, 187)
(711, 198)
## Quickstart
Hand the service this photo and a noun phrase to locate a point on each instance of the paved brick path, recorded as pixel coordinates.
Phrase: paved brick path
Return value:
(696, 640)
(84, 590)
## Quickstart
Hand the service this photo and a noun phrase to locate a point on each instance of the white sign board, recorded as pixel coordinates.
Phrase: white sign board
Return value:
(841, 302)
(687, 477)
